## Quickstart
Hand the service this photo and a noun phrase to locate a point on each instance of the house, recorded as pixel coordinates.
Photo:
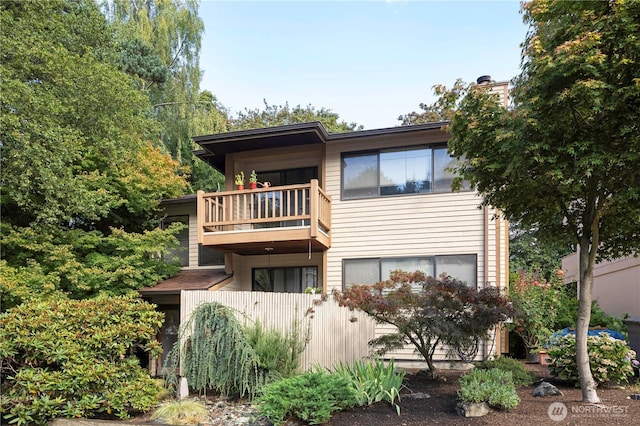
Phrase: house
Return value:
(616, 283)
(331, 210)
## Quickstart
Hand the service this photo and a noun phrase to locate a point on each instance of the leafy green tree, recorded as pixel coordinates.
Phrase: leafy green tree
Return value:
(81, 181)
(565, 159)
(428, 312)
(443, 109)
(529, 253)
(76, 359)
(160, 42)
(279, 115)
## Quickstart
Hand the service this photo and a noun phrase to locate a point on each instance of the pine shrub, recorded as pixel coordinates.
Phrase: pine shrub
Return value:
(311, 397)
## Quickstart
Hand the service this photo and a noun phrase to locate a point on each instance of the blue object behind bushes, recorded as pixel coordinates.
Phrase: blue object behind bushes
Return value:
(592, 332)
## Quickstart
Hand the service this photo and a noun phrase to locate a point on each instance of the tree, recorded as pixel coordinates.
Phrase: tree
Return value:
(81, 179)
(428, 312)
(279, 115)
(529, 254)
(160, 42)
(442, 109)
(565, 159)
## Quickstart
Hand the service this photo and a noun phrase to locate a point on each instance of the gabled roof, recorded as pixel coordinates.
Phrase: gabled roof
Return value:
(215, 147)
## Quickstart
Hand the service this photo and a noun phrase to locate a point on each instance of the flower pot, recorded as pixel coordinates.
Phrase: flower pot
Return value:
(543, 358)
(253, 185)
(240, 187)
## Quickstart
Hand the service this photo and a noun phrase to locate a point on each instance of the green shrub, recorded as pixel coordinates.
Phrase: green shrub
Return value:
(493, 386)
(74, 358)
(311, 397)
(184, 412)
(372, 381)
(278, 353)
(609, 358)
(520, 375)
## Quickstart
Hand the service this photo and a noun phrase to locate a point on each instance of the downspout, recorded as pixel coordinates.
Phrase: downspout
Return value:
(486, 263)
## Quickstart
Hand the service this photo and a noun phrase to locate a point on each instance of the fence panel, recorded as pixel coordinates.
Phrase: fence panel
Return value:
(337, 334)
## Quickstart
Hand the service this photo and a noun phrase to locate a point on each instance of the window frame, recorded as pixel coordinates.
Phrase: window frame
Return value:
(431, 257)
(432, 173)
(271, 269)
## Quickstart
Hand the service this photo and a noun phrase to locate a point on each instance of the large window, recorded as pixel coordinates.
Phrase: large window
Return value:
(393, 172)
(284, 280)
(209, 257)
(373, 270)
(181, 253)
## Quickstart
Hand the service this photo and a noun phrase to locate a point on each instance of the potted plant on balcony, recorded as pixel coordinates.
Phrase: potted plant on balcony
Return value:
(253, 180)
(240, 180)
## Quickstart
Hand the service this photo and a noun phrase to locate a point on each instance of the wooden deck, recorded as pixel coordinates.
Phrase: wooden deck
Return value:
(282, 219)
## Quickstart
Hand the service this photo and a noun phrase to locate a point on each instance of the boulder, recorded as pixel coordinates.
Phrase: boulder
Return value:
(546, 389)
(472, 409)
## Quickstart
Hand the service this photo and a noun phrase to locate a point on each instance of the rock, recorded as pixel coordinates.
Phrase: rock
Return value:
(546, 389)
(417, 395)
(635, 396)
(472, 409)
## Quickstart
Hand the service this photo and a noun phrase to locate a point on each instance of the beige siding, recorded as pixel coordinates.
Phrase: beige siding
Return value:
(335, 336)
(412, 225)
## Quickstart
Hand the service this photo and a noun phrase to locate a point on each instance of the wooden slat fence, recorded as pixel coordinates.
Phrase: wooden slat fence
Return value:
(335, 335)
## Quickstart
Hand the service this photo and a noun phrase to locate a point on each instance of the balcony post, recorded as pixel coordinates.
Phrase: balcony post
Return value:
(200, 212)
(314, 205)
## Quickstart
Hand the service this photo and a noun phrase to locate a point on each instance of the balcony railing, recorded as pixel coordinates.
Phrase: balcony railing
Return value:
(234, 218)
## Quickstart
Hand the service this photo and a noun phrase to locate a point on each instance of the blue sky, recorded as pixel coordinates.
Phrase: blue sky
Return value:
(368, 61)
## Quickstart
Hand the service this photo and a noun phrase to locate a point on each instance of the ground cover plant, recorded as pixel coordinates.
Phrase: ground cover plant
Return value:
(76, 358)
(493, 386)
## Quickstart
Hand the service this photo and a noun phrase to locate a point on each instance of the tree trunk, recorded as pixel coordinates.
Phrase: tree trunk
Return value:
(587, 384)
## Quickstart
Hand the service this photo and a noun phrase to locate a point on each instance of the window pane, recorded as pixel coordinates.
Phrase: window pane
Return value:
(180, 254)
(442, 178)
(208, 256)
(461, 267)
(284, 280)
(309, 277)
(361, 271)
(405, 172)
(360, 176)
(411, 264)
(261, 280)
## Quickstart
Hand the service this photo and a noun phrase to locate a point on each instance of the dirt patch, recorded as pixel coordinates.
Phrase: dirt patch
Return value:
(440, 408)
(616, 408)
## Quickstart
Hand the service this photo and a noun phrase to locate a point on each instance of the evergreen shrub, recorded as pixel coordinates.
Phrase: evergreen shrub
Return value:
(76, 358)
(311, 397)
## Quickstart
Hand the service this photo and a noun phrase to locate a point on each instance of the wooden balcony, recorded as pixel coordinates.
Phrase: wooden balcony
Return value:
(274, 220)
